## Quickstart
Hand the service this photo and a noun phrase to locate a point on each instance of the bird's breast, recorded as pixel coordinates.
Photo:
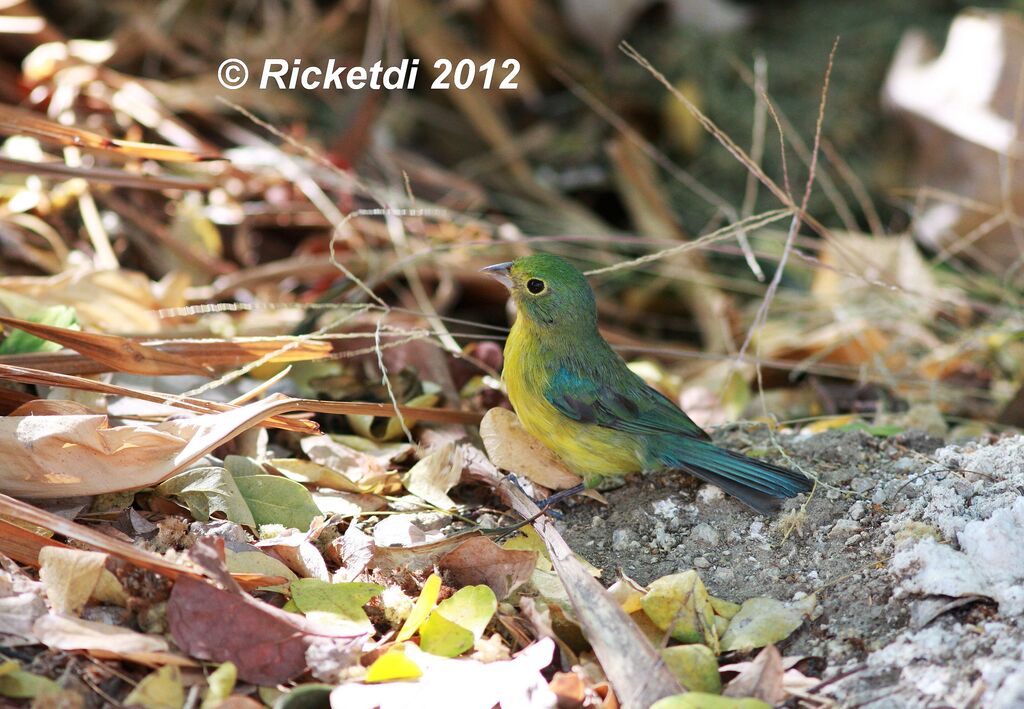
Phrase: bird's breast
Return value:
(589, 450)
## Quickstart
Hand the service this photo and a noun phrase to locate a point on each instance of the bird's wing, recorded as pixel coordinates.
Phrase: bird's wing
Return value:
(626, 403)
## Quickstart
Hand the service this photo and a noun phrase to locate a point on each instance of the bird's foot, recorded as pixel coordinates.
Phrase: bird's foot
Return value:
(544, 505)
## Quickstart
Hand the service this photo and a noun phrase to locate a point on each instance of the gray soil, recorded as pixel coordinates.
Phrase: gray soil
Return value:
(886, 632)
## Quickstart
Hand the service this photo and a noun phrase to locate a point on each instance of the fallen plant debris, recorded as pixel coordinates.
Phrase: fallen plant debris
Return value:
(255, 449)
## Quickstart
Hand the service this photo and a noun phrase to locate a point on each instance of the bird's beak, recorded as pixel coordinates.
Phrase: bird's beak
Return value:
(499, 272)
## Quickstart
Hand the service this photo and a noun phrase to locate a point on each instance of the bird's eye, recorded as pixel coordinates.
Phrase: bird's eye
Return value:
(535, 286)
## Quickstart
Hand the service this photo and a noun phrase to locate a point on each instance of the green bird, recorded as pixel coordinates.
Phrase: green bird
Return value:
(575, 394)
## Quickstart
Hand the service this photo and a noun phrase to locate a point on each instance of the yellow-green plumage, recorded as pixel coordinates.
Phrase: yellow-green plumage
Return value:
(589, 450)
(577, 396)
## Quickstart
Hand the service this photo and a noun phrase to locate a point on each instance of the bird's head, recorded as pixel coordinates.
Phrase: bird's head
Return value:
(548, 291)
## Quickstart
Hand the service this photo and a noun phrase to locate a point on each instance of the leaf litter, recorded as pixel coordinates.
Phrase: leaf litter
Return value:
(245, 547)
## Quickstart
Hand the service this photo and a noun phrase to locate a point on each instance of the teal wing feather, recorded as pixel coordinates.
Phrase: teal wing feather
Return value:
(623, 402)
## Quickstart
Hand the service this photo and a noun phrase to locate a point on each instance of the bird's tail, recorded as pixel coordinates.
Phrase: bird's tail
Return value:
(759, 485)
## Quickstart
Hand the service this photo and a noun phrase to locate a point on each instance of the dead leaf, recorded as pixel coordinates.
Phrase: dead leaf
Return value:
(21, 603)
(960, 106)
(354, 552)
(769, 677)
(365, 472)
(121, 354)
(433, 476)
(479, 560)
(511, 448)
(59, 456)
(105, 641)
(416, 557)
(29, 514)
(266, 644)
(70, 575)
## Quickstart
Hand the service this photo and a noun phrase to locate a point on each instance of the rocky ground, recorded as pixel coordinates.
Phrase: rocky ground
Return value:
(912, 547)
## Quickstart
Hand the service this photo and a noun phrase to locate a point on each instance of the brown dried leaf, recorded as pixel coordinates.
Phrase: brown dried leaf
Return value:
(267, 645)
(761, 678)
(417, 557)
(122, 354)
(479, 560)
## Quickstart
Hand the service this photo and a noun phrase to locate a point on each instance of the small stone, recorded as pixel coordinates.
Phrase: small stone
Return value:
(596, 521)
(843, 528)
(705, 534)
(621, 539)
(857, 510)
(701, 563)
(862, 485)
(725, 575)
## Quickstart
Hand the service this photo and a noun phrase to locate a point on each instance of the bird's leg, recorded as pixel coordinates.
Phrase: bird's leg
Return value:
(501, 532)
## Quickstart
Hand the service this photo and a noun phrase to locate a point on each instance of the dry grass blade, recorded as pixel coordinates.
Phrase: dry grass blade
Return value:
(122, 354)
(23, 545)
(417, 413)
(103, 175)
(201, 353)
(15, 121)
(287, 405)
(199, 406)
(24, 512)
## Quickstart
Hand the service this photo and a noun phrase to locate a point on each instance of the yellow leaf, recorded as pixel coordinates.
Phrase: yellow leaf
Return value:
(458, 622)
(424, 604)
(682, 601)
(393, 665)
(159, 690)
(222, 681)
(694, 666)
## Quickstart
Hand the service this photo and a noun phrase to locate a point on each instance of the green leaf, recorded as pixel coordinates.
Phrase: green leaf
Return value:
(703, 700)
(695, 666)
(337, 604)
(159, 690)
(424, 604)
(276, 500)
(208, 490)
(20, 342)
(241, 466)
(763, 621)
(222, 682)
(458, 622)
(682, 601)
(393, 665)
(257, 562)
(19, 684)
